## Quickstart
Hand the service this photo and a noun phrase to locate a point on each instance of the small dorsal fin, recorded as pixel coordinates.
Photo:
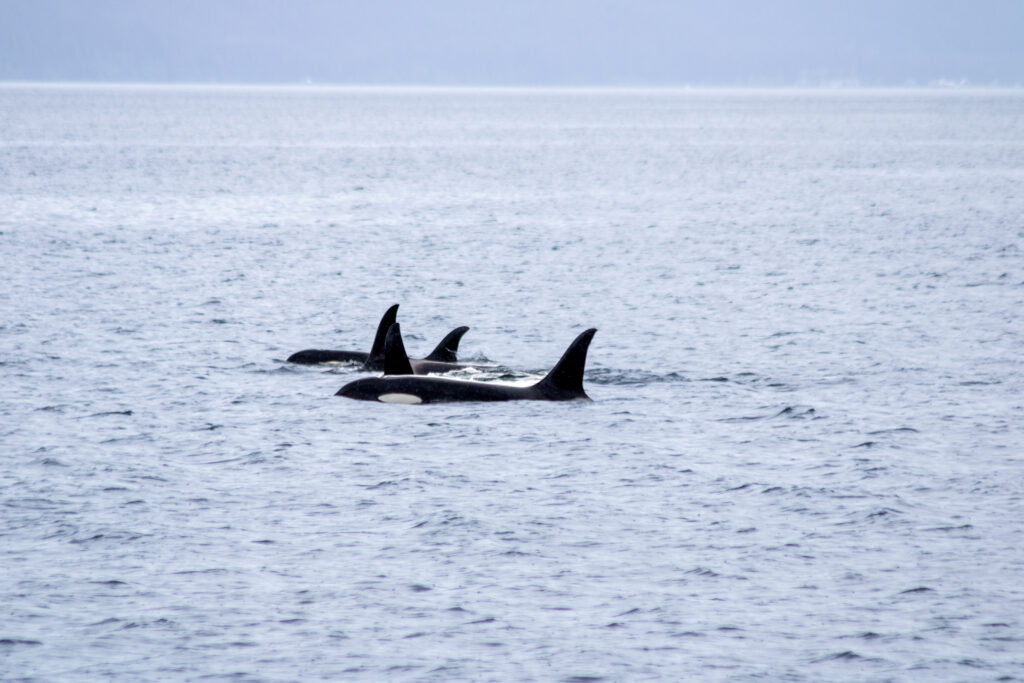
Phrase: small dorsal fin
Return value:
(396, 360)
(448, 350)
(376, 359)
(566, 378)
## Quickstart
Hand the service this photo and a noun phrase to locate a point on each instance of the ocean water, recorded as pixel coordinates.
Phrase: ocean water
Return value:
(804, 458)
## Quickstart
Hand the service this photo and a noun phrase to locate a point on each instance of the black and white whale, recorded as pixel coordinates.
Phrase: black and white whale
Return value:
(563, 383)
(442, 359)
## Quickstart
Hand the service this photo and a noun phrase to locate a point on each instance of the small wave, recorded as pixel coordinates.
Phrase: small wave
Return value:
(865, 635)
(11, 642)
(962, 527)
(896, 430)
(791, 412)
(754, 380)
(974, 663)
(883, 513)
(611, 376)
(34, 503)
(476, 359)
(845, 655)
(797, 412)
(116, 535)
(703, 571)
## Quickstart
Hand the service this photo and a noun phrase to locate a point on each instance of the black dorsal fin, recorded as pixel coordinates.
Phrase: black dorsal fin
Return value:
(396, 360)
(566, 379)
(376, 359)
(448, 350)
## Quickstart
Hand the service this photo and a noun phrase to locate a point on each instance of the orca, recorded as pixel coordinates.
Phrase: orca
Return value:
(563, 383)
(442, 359)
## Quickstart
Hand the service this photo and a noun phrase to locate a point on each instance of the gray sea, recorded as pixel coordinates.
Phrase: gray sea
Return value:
(804, 458)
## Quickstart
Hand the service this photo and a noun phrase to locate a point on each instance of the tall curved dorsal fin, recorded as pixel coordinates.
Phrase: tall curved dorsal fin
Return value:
(396, 360)
(566, 378)
(448, 350)
(377, 350)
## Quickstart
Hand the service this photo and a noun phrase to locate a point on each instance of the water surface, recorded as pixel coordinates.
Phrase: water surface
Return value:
(803, 456)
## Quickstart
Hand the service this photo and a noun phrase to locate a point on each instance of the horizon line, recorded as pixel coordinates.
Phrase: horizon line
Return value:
(940, 85)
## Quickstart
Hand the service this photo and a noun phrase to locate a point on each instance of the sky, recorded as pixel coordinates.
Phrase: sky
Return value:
(516, 42)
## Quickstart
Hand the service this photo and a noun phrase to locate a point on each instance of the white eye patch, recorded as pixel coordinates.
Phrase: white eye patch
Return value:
(399, 398)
